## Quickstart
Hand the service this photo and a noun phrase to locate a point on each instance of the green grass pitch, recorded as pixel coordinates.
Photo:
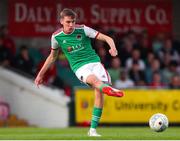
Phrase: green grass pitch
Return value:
(108, 133)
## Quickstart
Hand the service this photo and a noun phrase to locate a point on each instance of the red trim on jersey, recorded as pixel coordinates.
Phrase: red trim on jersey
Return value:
(97, 35)
(57, 31)
(106, 73)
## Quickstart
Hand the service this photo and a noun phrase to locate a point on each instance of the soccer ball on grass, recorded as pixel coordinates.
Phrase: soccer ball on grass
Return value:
(158, 122)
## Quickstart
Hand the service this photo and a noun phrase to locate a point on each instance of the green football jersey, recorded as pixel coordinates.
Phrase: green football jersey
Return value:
(76, 46)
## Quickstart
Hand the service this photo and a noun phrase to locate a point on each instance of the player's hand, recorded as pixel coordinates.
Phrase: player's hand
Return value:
(38, 81)
(113, 52)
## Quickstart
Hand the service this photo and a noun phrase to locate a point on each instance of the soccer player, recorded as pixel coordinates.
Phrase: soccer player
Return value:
(74, 40)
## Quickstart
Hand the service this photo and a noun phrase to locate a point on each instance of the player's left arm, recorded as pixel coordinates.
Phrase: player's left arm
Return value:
(113, 51)
(91, 33)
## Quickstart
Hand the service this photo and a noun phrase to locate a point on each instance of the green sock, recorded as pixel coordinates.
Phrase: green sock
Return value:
(96, 115)
(102, 86)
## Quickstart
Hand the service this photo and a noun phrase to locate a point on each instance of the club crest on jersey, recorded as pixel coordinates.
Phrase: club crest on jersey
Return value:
(69, 49)
(79, 37)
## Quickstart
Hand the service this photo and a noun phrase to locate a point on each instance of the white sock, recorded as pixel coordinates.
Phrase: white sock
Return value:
(92, 129)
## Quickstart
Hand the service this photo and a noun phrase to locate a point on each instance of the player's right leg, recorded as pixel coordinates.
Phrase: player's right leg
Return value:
(92, 133)
(96, 114)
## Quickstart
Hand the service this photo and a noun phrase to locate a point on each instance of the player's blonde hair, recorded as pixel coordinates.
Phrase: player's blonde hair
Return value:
(67, 12)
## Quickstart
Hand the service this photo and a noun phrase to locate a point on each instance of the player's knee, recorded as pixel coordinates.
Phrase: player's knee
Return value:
(93, 81)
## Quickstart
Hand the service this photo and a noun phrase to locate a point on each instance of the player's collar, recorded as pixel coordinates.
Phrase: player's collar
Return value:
(68, 33)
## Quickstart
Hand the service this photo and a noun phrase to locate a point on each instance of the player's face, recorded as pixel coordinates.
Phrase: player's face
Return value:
(68, 24)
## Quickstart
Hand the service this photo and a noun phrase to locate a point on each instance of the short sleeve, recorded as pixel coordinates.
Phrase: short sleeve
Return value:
(54, 43)
(90, 32)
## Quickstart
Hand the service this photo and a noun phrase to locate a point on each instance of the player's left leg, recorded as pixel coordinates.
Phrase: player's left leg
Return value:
(97, 112)
(94, 74)
(110, 91)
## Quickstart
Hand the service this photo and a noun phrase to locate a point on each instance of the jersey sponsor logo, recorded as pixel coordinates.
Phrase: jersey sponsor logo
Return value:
(75, 48)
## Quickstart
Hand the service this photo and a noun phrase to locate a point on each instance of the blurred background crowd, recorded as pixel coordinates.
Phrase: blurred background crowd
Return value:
(142, 61)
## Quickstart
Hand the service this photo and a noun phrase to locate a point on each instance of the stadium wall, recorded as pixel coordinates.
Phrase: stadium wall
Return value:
(43, 107)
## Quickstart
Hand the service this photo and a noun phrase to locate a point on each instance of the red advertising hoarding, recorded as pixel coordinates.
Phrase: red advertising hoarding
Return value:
(41, 18)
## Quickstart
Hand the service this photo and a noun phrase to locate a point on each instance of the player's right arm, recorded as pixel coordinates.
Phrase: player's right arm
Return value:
(50, 59)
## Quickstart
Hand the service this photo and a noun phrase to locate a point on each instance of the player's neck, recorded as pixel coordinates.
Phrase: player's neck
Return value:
(68, 31)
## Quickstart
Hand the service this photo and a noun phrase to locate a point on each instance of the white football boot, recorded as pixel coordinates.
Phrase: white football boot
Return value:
(92, 133)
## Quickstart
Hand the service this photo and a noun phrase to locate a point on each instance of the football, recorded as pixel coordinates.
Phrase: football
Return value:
(158, 122)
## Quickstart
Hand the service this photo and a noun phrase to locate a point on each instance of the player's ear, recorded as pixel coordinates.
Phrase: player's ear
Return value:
(61, 21)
